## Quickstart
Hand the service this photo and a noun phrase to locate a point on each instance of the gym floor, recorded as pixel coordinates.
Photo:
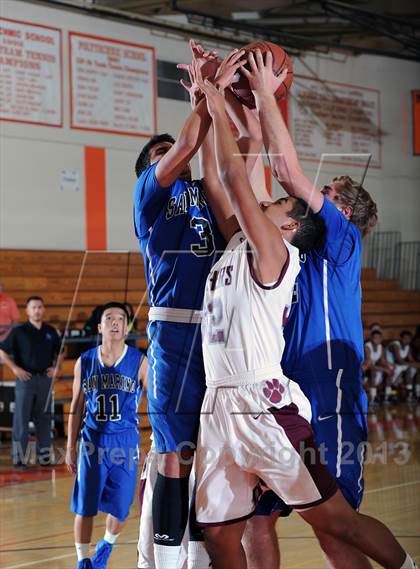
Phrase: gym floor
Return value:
(36, 523)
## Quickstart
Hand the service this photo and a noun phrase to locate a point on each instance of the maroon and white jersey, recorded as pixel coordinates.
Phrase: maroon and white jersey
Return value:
(242, 327)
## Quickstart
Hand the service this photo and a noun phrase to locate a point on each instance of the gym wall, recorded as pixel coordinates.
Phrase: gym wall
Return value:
(36, 213)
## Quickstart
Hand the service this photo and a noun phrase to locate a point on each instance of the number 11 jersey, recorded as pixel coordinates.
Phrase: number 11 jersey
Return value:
(112, 394)
(178, 238)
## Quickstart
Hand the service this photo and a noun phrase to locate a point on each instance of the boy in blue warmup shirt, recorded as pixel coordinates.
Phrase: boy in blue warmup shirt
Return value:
(108, 385)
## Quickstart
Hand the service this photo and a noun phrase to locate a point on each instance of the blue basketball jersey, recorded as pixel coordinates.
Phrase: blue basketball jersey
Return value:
(112, 394)
(324, 331)
(178, 238)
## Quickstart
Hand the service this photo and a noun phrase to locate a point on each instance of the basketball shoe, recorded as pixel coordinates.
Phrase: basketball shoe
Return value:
(102, 552)
(85, 564)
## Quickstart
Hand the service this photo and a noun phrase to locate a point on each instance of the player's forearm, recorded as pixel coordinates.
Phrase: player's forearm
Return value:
(74, 424)
(194, 130)
(249, 139)
(230, 166)
(277, 141)
(246, 123)
(206, 157)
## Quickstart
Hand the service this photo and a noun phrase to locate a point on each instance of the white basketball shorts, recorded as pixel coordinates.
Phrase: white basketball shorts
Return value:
(251, 434)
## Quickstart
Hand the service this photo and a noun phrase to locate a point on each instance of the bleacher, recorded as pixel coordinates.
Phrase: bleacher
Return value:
(72, 283)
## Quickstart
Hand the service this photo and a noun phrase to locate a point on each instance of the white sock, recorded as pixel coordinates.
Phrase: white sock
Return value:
(166, 556)
(387, 391)
(82, 551)
(408, 563)
(373, 392)
(111, 537)
(198, 558)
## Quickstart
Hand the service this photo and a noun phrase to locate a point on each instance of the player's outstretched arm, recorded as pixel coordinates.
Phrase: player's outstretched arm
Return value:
(75, 420)
(278, 143)
(249, 139)
(191, 136)
(250, 143)
(218, 199)
(265, 237)
(186, 145)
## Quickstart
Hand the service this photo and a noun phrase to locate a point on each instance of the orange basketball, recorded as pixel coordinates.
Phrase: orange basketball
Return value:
(280, 60)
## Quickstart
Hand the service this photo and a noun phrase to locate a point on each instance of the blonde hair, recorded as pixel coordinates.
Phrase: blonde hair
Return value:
(365, 212)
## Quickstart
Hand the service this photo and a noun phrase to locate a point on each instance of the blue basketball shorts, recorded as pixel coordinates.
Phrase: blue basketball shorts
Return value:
(176, 384)
(339, 422)
(106, 478)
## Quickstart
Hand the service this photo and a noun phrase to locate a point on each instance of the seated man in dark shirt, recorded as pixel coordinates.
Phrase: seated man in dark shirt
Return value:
(35, 348)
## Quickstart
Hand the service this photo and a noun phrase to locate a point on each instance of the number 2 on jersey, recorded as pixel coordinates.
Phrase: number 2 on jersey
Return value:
(101, 415)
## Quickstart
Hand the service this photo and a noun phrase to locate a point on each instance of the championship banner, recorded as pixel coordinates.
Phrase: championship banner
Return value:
(335, 121)
(30, 73)
(113, 86)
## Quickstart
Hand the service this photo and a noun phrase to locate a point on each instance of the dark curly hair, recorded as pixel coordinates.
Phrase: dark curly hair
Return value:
(311, 232)
(143, 160)
(365, 212)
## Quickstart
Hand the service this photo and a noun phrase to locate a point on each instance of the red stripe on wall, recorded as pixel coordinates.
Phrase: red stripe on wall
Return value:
(268, 185)
(284, 110)
(416, 122)
(95, 198)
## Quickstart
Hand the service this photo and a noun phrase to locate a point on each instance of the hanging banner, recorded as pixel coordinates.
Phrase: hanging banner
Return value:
(335, 122)
(113, 86)
(30, 73)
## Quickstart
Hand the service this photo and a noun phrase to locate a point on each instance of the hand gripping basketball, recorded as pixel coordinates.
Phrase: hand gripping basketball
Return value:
(277, 69)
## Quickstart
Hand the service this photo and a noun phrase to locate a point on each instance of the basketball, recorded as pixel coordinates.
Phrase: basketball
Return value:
(281, 60)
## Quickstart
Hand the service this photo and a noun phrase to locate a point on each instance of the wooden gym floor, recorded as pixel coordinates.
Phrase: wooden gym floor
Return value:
(36, 524)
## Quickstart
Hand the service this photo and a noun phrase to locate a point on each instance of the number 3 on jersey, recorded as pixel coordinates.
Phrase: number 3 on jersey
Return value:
(101, 415)
(206, 246)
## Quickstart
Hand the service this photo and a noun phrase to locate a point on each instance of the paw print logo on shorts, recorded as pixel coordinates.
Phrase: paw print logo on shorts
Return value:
(273, 391)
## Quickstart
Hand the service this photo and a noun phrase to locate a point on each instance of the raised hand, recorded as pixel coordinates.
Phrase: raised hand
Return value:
(192, 87)
(214, 96)
(228, 68)
(260, 76)
(208, 60)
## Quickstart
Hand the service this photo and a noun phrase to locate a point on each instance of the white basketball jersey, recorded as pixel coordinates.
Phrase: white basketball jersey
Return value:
(404, 351)
(375, 351)
(242, 327)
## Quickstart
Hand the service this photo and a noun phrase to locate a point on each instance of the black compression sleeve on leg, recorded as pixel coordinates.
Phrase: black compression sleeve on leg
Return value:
(169, 510)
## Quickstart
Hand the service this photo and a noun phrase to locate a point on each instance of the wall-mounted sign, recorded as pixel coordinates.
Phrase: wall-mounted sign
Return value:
(335, 122)
(113, 86)
(30, 73)
(69, 180)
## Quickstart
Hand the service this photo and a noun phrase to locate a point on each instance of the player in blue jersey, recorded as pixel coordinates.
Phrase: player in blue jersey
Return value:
(179, 241)
(324, 336)
(107, 385)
